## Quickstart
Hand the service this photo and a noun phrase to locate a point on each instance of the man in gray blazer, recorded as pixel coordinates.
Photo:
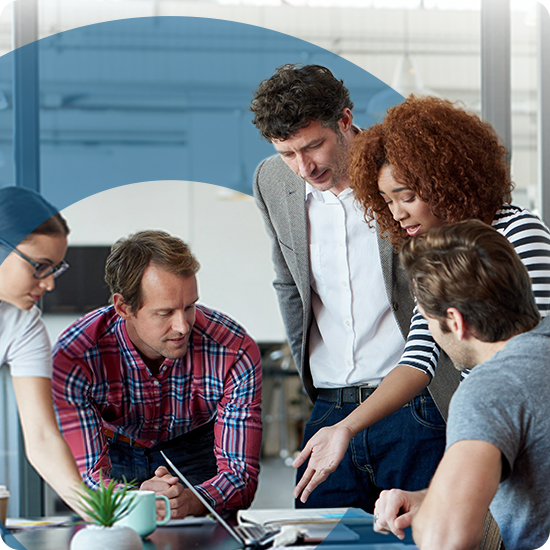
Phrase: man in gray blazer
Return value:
(344, 300)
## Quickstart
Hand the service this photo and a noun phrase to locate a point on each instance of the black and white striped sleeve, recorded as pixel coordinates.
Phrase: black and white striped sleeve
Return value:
(421, 352)
(531, 239)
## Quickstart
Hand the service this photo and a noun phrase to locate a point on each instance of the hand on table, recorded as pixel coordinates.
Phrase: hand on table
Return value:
(395, 509)
(182, 501)
(325, 449)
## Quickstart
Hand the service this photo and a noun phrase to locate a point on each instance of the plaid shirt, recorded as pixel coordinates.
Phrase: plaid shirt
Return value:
(100, 381)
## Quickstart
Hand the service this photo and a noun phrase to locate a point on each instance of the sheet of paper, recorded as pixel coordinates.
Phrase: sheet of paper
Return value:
(24, 524)
(304, 515)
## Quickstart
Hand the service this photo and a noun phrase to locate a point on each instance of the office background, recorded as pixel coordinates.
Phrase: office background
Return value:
(92, 129)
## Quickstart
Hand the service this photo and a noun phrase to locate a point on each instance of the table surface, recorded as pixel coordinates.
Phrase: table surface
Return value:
(211, 536)
(164, 538)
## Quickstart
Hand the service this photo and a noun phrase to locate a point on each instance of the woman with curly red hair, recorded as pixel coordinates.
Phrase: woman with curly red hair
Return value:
(431, 163)
(428, 164)
(448, 159)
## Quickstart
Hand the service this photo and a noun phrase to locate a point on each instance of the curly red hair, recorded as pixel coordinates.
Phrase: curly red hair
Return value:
(451, 159)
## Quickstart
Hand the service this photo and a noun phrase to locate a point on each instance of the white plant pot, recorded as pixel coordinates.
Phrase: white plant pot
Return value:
(96, 537)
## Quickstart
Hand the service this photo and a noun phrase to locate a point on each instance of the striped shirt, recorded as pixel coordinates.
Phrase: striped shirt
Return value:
(531, 239)
(100, 381)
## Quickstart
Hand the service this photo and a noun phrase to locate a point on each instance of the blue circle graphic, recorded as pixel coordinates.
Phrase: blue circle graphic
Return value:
(159, 98)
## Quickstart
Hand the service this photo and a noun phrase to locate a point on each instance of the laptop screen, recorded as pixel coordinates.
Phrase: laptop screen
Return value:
(229, 529)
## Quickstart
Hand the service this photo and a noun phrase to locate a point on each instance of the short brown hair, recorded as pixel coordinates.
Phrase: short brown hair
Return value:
(130, 257)
(295, 96)
(451, 159)
(475, 269)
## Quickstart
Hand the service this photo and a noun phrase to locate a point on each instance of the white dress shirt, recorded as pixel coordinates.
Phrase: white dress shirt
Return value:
(355, 340)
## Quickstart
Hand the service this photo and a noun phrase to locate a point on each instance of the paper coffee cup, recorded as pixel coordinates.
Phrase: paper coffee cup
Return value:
(4, 496)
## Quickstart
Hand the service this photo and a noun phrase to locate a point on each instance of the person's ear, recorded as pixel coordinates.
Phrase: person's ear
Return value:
(456, 323)
(121, 308)
(346, 121)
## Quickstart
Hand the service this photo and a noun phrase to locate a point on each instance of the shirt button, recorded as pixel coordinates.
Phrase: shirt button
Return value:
(156, 382)
(157, 405)
(348, 363)
(344, 283)
(340, 243)
(348, 323)
(152, 441)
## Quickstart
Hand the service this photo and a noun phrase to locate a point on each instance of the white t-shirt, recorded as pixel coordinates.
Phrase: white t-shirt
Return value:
(24, 342)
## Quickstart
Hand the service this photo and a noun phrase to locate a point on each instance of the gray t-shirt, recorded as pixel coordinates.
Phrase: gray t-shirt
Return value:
(506, 401)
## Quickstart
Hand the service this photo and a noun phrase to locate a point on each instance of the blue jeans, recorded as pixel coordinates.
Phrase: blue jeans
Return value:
(401, 451)
(192, 453)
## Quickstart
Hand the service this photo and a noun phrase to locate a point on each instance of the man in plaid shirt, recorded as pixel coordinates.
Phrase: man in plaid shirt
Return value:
(156, 371)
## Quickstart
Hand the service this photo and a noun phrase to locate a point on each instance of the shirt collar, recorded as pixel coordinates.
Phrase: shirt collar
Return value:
(325, 196)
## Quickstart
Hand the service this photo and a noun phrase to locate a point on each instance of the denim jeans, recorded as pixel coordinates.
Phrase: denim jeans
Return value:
(192, 453)
(401, 451)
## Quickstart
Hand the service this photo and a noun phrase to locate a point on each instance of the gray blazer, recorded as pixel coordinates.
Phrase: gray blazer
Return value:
(280, 196)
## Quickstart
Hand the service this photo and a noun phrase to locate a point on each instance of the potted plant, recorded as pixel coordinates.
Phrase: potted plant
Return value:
(104, 506)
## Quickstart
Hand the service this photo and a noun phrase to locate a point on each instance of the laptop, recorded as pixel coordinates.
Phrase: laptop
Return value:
(250, 536)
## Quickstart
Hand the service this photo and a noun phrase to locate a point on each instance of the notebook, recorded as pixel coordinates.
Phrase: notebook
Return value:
(250, 536)
(312, 524)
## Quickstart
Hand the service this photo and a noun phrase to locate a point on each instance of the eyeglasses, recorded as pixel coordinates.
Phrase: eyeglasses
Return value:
(41, 271)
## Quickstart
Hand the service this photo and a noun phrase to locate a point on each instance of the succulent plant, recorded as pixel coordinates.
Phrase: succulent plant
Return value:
(106, 504)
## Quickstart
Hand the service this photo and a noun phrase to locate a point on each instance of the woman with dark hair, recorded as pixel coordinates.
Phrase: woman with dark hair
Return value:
(33, 241)
(428, 164)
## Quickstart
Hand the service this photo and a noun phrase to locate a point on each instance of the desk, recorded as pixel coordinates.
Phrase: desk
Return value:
(207, 536)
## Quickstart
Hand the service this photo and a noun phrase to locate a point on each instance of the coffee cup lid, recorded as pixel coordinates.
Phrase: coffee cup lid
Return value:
(4, 491)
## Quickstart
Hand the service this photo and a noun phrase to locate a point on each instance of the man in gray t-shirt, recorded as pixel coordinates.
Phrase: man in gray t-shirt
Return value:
(506, 401)
(476, 294)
